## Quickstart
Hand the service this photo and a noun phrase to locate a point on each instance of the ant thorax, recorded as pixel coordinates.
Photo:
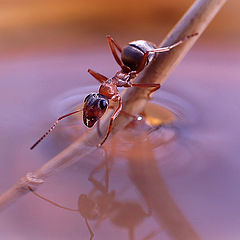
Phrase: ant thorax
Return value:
(108, 89)
(121, 78)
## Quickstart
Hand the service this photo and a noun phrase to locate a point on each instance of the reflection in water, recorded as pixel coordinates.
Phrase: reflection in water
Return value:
(155, 191)
(101, 204)
(139, 141)
(197, 155)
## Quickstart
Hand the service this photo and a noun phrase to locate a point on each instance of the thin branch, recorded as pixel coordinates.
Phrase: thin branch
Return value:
(149, 182)
(134, 99)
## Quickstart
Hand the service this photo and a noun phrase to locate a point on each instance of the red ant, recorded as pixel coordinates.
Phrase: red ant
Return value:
(134, 58)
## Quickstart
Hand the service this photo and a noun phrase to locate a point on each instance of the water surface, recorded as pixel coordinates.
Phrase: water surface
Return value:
(195, 158)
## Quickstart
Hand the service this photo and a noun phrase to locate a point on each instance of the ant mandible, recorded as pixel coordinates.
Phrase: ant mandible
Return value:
(134, 58)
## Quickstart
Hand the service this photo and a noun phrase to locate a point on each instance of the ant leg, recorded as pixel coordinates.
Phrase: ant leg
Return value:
(96, 169)
(89, 228)
(98, 76)
(143, 62)
(155, 86)
(51, 202)
(156, 50)
(52, 127)
(66, 208)
(107, 173)
(112, 44)
(115, 43)
(134, 117)
(131, 233)
(168, 48)
(115, 114)
(162, 49)
(97, 184)
(151, 235)
(126, 113)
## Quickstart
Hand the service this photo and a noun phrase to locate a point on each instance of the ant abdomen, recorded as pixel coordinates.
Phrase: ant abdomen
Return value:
(133, 53)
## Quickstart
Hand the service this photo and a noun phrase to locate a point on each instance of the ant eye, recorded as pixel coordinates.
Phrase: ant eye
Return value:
(91, 95)
(103, 104)
(87, 97)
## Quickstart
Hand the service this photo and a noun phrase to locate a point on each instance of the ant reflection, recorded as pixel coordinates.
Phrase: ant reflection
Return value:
(100, 204)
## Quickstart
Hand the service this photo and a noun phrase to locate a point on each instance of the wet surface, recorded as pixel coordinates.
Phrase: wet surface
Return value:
(191, 163)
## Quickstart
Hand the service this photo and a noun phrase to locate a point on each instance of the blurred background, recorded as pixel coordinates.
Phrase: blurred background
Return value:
(58, 24)
(46, 48)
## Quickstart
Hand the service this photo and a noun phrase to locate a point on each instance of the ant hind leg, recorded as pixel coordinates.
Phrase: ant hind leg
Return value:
(113, 45)
(155, 86)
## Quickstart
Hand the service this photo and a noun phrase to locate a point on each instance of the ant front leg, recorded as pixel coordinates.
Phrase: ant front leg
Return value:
(123, 112)
(127, 114)
(101, 78)
(115, 114)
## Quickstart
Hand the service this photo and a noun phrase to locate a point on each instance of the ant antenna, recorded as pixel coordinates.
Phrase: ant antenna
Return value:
(51, 128)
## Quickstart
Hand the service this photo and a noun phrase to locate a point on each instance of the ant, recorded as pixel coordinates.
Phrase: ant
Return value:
(134, 58)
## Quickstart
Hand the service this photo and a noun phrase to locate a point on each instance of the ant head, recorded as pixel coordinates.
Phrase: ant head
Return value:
(132, 54)
(94, 107)
(87, 207)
